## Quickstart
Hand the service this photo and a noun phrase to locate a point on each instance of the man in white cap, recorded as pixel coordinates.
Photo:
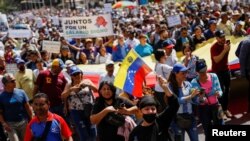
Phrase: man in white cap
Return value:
(109, 76)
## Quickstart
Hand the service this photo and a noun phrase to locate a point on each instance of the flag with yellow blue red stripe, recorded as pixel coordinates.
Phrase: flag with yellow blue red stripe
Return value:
(132, 73)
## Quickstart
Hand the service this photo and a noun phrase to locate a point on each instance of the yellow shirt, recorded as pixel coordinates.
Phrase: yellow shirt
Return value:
(26, 82)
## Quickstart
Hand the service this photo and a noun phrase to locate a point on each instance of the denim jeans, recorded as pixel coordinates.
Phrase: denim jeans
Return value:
(85, 130)
(179, 134)
(57, 110)
(208, 115)
(224, 78)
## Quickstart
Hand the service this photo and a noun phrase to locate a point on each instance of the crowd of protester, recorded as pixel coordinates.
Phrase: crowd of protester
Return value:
(48, 90)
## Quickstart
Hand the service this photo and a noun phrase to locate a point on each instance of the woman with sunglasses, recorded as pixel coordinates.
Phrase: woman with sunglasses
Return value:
(78, 94)
(182, 88)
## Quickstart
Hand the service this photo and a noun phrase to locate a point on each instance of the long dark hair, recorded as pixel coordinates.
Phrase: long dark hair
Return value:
(112, 88)
(173, 83)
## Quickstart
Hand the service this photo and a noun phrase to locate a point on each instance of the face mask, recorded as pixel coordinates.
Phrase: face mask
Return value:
(149, 118)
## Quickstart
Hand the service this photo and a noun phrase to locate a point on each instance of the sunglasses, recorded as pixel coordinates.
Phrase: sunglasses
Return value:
(76, 74)
(12, 81)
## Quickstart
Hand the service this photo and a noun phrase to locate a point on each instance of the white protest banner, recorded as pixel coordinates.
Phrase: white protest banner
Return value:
(174, 20)
(11, 68)
(26, 15)
(3, 23)
(20, 33)
(108, 7)
(51, 46)
(87, 27)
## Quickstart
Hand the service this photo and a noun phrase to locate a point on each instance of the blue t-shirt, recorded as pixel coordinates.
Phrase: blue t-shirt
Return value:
(145, 50)
(12, 105)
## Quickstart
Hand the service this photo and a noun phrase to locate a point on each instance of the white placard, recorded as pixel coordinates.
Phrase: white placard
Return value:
(3, 23)
(51, 46)
(173, 20)
(1, 46)
(87, 27)
(39, 22)
(107, 7)
(20, 33)
(55, 20)
(11, 68)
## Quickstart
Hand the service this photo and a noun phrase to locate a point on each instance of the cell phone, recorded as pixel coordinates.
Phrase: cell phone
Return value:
(228, 42)
(202, 90)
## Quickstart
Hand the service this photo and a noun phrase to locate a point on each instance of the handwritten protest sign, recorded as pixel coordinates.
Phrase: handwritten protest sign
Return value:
(87, 27)
(51, 46)
(174, 20)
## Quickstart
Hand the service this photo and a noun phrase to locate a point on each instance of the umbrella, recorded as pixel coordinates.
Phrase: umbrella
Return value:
(124, 4)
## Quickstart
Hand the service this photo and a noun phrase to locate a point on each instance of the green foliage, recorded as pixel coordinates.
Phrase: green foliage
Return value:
(9, 5)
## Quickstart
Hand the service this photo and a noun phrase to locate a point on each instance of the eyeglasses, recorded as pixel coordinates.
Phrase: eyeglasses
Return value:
(76, 74)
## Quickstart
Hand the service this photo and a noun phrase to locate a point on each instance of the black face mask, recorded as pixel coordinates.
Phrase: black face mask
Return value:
(149, 118)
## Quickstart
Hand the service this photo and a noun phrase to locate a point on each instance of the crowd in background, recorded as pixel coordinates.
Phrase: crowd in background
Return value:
(202, 95)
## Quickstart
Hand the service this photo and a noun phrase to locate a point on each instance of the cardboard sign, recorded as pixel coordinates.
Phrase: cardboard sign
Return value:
(20, 33)
(87, 27)
(174, 20)
(51, 46)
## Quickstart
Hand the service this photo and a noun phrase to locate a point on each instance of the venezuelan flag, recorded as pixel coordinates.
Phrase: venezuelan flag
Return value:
(131, 74)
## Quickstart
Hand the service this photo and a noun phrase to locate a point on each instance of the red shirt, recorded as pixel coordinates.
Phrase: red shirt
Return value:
(215, 50)
(52, 85)
(58, 128)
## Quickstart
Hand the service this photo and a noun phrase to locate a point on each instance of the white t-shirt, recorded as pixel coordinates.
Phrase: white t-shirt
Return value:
(172, 59)
(163, 70)
(132, 43)
(107, 78)
(102, 59)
